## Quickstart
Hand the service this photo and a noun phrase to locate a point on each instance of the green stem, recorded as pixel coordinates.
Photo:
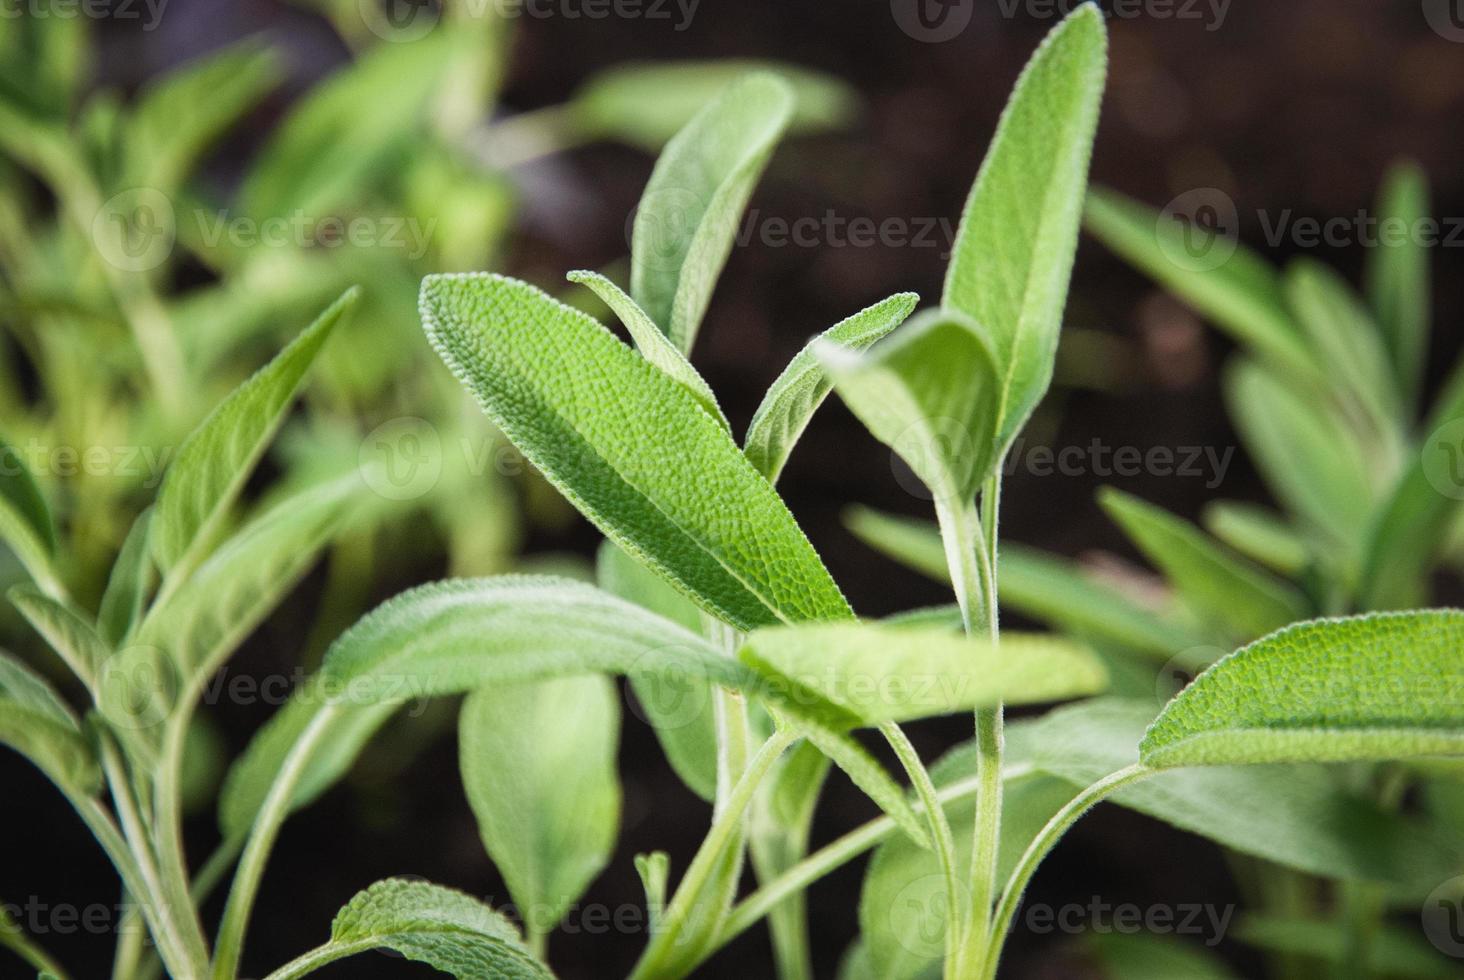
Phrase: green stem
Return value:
(319, 957)
(1041, 846)
(27, 949)
(658, 960)
(272, 813)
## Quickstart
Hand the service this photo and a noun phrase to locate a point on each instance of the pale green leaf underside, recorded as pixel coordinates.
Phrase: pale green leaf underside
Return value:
(1013, 256)
(631, 448)
(797, 393)
(1383, 686)
(686, 223)
(36, 723)
(931, 392)
(654, 345)
(1227, 590)
(882, 673)
(539, 768)
(427, 923)
(216, 459)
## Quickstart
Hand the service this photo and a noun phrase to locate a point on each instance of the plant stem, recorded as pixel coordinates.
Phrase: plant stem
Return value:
(272, 813)
(1041, 846)
(657, 961)
(27, 949)
(318, 957)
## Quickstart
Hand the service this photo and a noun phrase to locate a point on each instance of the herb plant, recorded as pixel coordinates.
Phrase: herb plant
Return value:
(707, 586)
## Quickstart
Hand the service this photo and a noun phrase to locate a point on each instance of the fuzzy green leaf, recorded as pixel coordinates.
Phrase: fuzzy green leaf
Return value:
(1013, 255)
(631, 448)
(1383, 686)
(67, 629)
(678, 706)
(539, 768)
(25, 520)
(216, 459)
(1242, 295)
(931, 392)
(654, 345)
(36, 723)
(687, 220)
(881, 673)
(797, 393)
(427, 923)
(1236, 596)
(1398, 280)
(130, 582)
(1259, 534)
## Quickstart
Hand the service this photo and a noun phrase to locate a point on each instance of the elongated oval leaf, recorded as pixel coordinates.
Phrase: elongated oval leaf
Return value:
(798, 392)
(932, 393)
(427, 923)
(631, 448)
(36, 723)
(216, 459)
(882, 673)
(26, 526)
(130, 582)
(686, 223)
(1236, 596)
(68, 630)
(1398, 277)
(654, 345)
(1383, 686)
(538, 764)
(1013, 255)
(1259, 534)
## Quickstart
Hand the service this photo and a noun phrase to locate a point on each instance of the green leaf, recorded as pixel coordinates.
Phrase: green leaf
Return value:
(1298, 816)
(1342, 330)
(1242, 295)
(1398, 280)
(878, 673)
(426, 923)
(349, 128)
(25, 520)
(646, 103)
(631, 448)
(1383, 686)
(654, 345)
(1393, 952)
(180, 114)
(1037, 585)
(36, 723)
(797, 393)
(686, 222)
(1259, 534)
(654, 870)
(1227, 590)
(538, 764)
(217, 457)
(1013, 254)
(678, 706)
(1308, 457)
(1139, 956)
(130, 582)
(67, 629)
(931, 392)
(865, 771)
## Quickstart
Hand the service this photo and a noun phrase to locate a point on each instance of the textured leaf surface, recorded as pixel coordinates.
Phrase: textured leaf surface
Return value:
(797, 393)
(67, 629)
(443, 928)
(217, 457)
(36, 723)
(1384, 686)
(932, 393)
(687, 220)
(654, 345)
(1013, 255)
(1227, 590)
(879, 673)
(631, 448)
(539, 768)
